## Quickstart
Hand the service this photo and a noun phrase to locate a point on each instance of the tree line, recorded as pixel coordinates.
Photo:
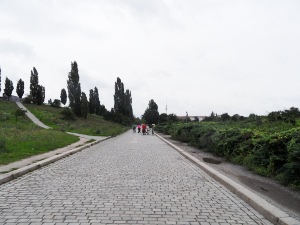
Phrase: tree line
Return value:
(79, 104)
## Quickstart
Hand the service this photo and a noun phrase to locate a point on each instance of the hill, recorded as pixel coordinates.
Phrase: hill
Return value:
(20, 138)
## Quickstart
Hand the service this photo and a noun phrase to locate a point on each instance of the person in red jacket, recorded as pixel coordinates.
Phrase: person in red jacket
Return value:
(144, 129)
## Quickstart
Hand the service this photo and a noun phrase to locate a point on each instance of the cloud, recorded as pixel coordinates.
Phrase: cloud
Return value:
(202, 55)
(10, 47)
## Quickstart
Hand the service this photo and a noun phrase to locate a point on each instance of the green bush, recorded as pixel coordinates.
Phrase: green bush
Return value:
(270, 149)
(67, 114)
(3, 145)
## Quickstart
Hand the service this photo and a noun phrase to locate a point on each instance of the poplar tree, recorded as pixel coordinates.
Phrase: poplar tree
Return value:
(84, 105)
(122, 103)
(9, 87)
(119, 97)
(128, 104)
(34, 83)
(91, 102)
(63, 96)
(20, 88)
(97, 106)
(74, 89)
(40, 95)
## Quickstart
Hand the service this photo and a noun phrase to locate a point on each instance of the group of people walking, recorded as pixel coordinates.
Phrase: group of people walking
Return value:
(143, 128)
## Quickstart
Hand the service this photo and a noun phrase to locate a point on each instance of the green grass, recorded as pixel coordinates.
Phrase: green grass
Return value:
(93, 125)
(20, 138)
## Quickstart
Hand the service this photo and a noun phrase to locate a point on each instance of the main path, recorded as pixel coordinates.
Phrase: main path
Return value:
(129, 179)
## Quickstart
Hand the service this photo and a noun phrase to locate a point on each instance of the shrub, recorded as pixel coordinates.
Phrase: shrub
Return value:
(20, 113)
(56, 103)
(67, 114)
(271, 149)
(3, 145)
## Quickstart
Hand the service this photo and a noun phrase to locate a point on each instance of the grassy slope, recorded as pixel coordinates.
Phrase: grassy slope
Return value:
(21, 139)
(93, 125)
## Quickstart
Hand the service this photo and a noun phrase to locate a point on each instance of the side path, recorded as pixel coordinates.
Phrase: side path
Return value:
(129, 179)
(31, 116)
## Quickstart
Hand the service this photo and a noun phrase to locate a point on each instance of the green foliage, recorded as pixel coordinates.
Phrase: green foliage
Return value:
(91, 102)
(9, 87)
(34, 83)
(20, 113)
(20, 88)
(74, 89)
(63, 96)
(151, 115)
(271, 148)
(122, 111)
(37, 92)
(3, 148)
(84, 105)
(55, 103)
(67, 114)
(21, 139)
(40, 98)
(171, 118)
(90, 126)
(96, 104)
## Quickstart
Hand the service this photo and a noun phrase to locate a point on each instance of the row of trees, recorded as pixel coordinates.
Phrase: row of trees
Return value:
(151, 116)
(122, 111)
(80, 105)
(37, 92)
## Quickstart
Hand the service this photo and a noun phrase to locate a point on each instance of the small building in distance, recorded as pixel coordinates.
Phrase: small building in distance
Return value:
(192, 118)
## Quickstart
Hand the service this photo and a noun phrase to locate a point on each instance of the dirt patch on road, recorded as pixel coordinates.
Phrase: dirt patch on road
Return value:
(282, 197)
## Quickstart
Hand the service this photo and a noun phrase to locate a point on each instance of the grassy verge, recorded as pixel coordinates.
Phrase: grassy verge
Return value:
(93, 125)
(20, 138)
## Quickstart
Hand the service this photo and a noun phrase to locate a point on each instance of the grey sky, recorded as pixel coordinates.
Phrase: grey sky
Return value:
(234, 56)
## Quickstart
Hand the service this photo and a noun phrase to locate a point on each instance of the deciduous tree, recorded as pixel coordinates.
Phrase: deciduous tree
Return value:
(34, 85)
(122, 103)
(151, 115)
(40, 95)
(63, 96)
(91, 102)
(97, 106)
(9, 87)
(74, 89)
(20, 88)
(84, 105)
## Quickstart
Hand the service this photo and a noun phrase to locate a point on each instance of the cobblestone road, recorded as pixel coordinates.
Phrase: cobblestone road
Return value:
(129, 179)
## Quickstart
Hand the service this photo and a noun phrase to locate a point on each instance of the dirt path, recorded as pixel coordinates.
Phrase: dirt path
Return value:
(284, 198)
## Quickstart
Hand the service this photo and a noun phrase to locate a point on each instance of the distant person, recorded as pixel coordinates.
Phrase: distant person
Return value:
(139, 128)
(152, 129)
(144, 129)
(134, 128)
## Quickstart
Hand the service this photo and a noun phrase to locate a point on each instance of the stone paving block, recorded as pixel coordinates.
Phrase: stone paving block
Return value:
(129, 179)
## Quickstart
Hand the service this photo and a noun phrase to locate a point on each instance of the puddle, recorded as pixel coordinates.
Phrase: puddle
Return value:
(212, 161)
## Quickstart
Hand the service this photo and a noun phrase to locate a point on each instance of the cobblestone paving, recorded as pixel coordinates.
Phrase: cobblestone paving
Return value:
(130, 179)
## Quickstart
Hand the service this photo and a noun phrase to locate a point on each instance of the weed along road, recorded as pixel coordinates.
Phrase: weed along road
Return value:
(129, 179)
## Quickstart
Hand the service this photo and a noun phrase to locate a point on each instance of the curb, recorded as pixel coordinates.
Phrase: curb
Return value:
(270, 212)
(37, 165)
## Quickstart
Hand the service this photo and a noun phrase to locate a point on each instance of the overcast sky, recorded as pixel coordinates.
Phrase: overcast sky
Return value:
(199, 56)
